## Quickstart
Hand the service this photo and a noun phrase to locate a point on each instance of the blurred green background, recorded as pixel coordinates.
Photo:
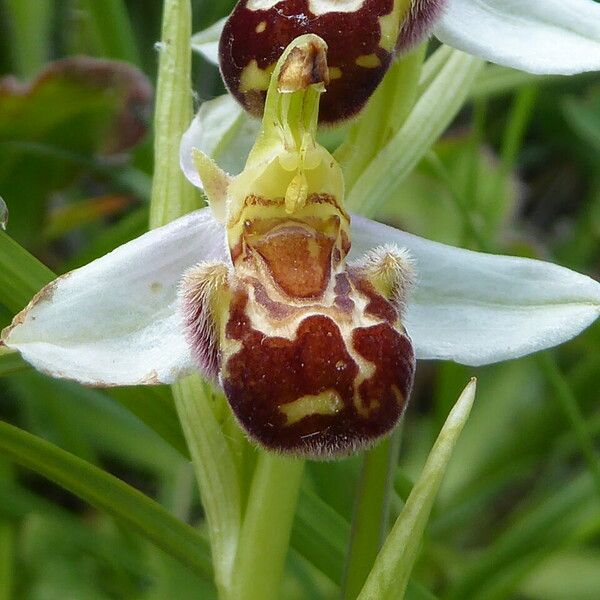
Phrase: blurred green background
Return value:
(518, 172)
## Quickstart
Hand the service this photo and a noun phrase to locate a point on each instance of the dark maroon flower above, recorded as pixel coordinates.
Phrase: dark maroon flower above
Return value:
(363, 37)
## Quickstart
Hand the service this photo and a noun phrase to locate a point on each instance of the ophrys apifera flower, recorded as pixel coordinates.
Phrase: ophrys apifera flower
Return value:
(313, 346)
(365, 36)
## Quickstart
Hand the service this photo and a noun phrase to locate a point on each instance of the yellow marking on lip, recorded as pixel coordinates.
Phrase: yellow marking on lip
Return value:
(398, 395)
(325, 403)
(335, 73)
(255, 78)
(368, 61)
(261, 27)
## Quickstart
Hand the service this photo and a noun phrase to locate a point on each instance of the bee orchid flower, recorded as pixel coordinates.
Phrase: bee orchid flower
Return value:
(364, 37)
(309, 319)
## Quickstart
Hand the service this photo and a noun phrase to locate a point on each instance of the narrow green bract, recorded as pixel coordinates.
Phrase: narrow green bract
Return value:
(391, 572)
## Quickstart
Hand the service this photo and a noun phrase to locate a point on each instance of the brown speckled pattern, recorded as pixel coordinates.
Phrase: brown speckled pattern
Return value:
(269, 371)
(300, 327)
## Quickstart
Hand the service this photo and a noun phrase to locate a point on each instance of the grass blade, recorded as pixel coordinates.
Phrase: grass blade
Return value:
(108, 493)
(432, 113)
(390, 574)
(21, 274)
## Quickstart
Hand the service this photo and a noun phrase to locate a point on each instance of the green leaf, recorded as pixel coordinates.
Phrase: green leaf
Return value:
(17, 502)
(584, 120)
(21, 274)
(541, 526)
(153, 405)
(112, 29)
(573, 574)
(320, 535)
(390, 574)
(85, 212)
(7, 558)
(11, 362)
(3, 214)
(76, 109)
(430, 116)
(570, 406)
(76, 417)
(29, 27)
(108, 493)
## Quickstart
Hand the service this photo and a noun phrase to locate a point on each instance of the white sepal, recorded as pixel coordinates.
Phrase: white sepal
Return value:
(115, 321)
(206, 42)
(546, 37)
(476, 308)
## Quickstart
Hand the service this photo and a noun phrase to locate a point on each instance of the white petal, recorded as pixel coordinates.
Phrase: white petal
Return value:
(539, 36)
(223, 131)
(476, 308)
(114, 321)
(206, 42)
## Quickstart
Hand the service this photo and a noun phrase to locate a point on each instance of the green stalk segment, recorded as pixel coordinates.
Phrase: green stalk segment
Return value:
(172, 195)
(371, 513)
(215, 471)
(266, 530)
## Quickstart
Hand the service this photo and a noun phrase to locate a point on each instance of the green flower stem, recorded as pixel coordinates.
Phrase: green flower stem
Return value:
(568, 403)
(266, 530)
(112, 29)
(29, 27)
(108, 493)
(371, 513)
(215, 471)
(172, 195)
(432, 113)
